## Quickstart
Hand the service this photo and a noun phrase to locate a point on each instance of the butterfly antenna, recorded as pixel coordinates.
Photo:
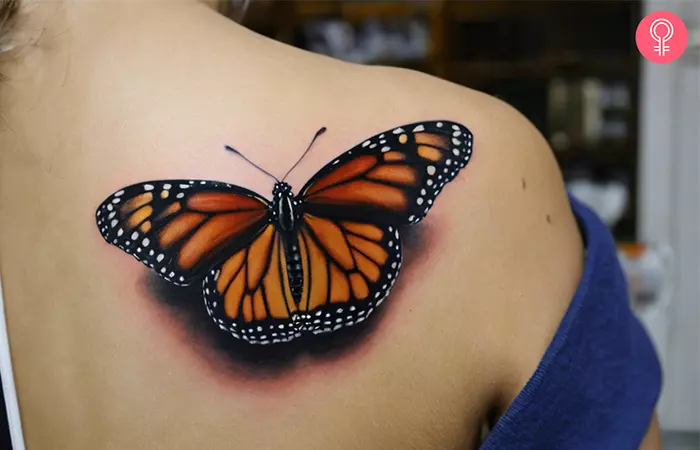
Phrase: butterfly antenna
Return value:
(231, 149)
(318, 133)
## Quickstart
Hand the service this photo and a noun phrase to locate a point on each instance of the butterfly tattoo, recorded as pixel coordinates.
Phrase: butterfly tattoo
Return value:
(312, 263)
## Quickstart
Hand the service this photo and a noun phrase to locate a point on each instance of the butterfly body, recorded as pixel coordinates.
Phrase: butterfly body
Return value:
(275, 270)
(286, 216)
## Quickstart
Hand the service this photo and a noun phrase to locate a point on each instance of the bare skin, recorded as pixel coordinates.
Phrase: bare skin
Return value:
(122, 92)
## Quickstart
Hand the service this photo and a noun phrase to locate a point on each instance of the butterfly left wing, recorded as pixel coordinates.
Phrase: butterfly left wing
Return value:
(180, 228)
(393, 177)
(249, 296)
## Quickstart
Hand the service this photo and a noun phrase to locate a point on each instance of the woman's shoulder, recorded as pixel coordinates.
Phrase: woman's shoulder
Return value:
(501, 248)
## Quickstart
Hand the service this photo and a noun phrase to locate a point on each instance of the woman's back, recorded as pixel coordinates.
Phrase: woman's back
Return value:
(107, 355)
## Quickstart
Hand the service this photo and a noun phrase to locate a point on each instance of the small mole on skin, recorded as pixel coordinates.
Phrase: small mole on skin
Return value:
(549, 219)
(524, 184)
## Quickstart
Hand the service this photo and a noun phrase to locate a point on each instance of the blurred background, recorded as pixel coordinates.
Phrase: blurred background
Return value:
(625, 132)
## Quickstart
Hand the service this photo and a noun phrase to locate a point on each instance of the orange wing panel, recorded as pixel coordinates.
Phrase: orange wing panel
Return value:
(214, 232)
(179, 227)
(258, 256)
(332, 239)
(344, 172)
(369, 248)
(217, 202)
(435, 140)
(394, 174)
(364, 192)
(364, 229)
(135, 203)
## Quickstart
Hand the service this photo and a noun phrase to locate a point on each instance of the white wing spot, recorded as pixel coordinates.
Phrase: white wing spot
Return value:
(455, 152)
(419, 200)
(116, 200)
(373, 146)
(419, 128)
(119, 194)
(398, 131)
(110, 207)
(365, 144)
(180, 195)
(114, 223)
(160, 257)
(385, 149)
(134, 235)
(429, 182)
(422, 192)
(145, 242)
(456, 141)
(184, 186)
(431, 170)
(455, 127)
(457, 134)
(120, 232)
(167, 186)
(448, 162)
(148, 187)
(439, 124)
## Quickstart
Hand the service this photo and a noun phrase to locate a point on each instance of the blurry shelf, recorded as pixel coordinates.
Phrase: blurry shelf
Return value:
(489, 10)
(360, 10)
(546, 67)
(606, 154)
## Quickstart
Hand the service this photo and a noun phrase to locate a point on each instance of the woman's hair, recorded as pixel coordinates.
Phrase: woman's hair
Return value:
(9, 10)
(8, 16)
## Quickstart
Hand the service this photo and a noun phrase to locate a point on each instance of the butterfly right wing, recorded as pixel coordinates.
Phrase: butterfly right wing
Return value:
(181, 228)
(393, 177)
(351, 267)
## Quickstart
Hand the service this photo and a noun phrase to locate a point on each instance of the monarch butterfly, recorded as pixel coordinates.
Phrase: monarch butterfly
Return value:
(312, 263)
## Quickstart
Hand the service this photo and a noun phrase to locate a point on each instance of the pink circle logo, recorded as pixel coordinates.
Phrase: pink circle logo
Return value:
(661, 37)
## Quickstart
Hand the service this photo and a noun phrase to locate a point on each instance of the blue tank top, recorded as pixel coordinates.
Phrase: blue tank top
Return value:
(598, 382)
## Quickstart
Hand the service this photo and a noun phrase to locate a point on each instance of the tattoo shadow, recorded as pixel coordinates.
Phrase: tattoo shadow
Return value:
(186, 305)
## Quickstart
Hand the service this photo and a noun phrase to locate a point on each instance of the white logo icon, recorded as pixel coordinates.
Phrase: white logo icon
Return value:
(662, 48)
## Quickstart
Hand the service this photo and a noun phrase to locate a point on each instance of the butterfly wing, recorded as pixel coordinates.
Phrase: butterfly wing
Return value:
(351, 267)
(348, 269)
(393, 177)
(181, 228)
(249, 296)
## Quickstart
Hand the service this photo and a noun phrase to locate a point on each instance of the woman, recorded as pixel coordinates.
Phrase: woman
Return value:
(509, 313)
